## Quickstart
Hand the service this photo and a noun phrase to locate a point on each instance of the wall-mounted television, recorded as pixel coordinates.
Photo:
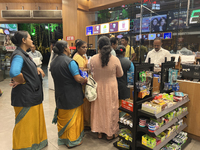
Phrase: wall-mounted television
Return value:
(151, 24)
(172, 23)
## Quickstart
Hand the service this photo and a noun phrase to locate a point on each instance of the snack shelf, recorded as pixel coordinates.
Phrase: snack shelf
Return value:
(162, 113)
(182, 115)
(164, 127)
(120, 148)
(125, 126)
(160, 130)
(145, 99)
(125, 110)
(158, 147)
(126, 141)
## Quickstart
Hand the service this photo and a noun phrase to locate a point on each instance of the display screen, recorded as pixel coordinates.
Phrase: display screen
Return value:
(160, 35)
(195, 17)
(172, 23)
(96, 29)
(152, 36)
(104, 28)
(114, 27)
(151, 24)
(124, 25)
(89, 30)
(167, 35)
(138, 37)
(145, 37)
(10, 27)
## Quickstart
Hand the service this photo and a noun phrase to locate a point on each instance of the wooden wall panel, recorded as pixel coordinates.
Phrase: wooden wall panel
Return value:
(31, 1)
(84, 19)
(69, 15)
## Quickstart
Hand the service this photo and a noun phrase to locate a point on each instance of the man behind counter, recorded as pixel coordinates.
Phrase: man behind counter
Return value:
(158, 54)
(130, 53)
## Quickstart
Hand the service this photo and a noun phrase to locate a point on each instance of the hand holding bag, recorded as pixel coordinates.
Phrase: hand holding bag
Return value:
(91, 89)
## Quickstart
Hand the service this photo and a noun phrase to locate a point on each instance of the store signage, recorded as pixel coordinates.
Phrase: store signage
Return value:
(160, 35)
(114, 27)
(70, 38)
(167, 35)
(111, 27)
(10, 48)
(124, 25)
(152, 36)
(96, 29)
(89, 30)
(195, 17)
(105, 28)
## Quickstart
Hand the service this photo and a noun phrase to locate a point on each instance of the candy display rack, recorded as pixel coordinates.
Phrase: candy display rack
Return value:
(137, 131)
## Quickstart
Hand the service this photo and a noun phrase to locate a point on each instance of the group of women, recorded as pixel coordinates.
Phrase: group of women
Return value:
(72, 109)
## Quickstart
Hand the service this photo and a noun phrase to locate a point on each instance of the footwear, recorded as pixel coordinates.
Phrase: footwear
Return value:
(100, 136)
(112, 137)
(75, 145)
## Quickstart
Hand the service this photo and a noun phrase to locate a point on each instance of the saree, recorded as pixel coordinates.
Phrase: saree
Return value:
(29, 132)
(70, 123)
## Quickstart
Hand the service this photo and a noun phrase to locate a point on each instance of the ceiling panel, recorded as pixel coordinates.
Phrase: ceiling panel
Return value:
(30, 1)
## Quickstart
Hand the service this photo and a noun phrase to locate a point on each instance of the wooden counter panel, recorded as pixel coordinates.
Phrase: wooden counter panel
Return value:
(156, 84)
(193, 118)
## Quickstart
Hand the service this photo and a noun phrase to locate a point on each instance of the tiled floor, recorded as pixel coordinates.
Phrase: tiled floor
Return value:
(90, 141)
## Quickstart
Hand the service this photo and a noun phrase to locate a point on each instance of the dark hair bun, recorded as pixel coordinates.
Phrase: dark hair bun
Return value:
(14, 40)
(56, 50)
(18, 36)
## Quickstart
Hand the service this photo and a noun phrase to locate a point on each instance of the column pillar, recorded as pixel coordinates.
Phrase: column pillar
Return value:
(69, 19)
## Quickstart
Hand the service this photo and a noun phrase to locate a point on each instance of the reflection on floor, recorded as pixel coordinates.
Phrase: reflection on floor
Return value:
(90, 141)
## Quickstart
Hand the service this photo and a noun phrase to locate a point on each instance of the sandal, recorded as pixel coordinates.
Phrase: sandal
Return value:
(100, 136)
(112, 137)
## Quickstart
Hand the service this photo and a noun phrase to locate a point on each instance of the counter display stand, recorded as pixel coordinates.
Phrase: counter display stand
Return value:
(136, 102)
(137, 131)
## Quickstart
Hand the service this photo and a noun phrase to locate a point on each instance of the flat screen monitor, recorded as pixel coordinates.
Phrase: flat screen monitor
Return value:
(145, 37)
(114, 27)
(152, 36)
(160, 35)
(124, 25)
(10, 27)
(151, 24)
(173, 16)
(96, 29)
(167, 35)
(138, 37)
(105, 28)
(89, 30)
